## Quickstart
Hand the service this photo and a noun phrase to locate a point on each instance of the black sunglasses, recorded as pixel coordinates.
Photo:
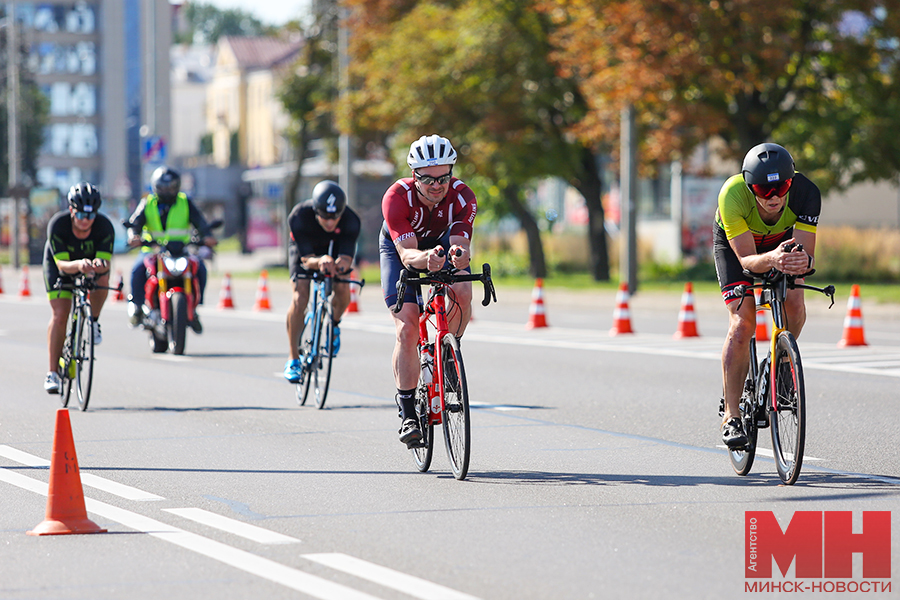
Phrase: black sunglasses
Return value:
(429, 180)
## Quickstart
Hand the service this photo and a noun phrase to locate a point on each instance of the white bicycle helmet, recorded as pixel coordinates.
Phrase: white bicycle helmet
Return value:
(431, 151)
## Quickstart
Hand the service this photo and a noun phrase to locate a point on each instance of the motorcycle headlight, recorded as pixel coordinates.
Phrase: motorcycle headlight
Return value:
(176, 266)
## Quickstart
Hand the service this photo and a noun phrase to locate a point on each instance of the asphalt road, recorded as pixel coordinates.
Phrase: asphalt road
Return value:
(596, 471)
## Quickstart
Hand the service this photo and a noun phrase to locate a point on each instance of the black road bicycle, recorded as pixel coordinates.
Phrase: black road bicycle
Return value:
(317, 339)
(76, 365)
(775, 397)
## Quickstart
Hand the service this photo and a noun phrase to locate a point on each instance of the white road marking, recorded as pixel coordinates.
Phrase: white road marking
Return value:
(88, 479)
(245, 561)
(245, 530)
(771, 454)
(412, 586)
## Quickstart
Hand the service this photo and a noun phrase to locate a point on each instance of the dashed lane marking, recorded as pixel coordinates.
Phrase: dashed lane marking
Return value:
(222, 523)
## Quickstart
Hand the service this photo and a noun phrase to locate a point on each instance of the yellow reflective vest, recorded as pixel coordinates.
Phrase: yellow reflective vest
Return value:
(178, 221)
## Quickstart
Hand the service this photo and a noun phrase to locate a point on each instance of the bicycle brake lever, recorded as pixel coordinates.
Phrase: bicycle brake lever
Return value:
(829, 291)
(401, 290)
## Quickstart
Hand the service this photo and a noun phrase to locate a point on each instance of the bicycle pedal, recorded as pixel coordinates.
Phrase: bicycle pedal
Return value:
(414, 445)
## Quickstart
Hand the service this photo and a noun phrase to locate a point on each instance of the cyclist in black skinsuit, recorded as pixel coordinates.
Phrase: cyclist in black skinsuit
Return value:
(79, 240)
(761, 210)
(322, 221)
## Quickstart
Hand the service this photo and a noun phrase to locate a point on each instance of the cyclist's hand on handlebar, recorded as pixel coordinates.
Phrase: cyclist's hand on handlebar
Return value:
(326, 265)
(459, 256)
(791, 258)
(435, 258)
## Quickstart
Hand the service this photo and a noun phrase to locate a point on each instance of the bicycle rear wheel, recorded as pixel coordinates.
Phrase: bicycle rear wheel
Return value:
(787, 409)
(84, 356)
(423, 453)
(324, 357)
(457, 430)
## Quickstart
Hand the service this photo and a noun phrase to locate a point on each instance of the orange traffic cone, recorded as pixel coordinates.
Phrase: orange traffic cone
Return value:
(225, 299)
(353, 307)
(536, 316)
(853, 322)
(621, 316)
(120, 281)
(687, 321)
(24, 292)
(762, 324)
(1, 281)
(262, 292)
(65, 499)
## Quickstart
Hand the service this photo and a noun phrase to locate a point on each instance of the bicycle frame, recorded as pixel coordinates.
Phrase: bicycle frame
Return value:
(435, 306)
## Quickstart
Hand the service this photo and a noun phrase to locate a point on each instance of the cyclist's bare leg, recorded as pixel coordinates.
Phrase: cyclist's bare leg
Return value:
(98, 296)
(736, 353)
(295, 314)
(458, 319)
(56, 330)
(406, 355)
(795, 309)
(340, 300)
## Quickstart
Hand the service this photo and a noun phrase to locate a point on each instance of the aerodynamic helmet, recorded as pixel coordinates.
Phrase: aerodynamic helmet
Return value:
(84, 197)
(431, 151)
(329, 200)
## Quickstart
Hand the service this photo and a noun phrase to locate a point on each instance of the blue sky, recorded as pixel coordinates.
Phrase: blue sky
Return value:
(273, 12)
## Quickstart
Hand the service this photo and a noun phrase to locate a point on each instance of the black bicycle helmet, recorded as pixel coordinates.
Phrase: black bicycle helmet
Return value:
(767, 164)
(84, 197)
(166, 184)
(329, 199)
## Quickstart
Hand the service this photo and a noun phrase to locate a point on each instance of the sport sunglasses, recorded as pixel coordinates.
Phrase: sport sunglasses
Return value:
(85, 215)
(429, 180)
(768, 190)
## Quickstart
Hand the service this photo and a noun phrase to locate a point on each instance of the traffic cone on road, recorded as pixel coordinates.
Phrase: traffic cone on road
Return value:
(687, 320)
(853, 322)
(65, 498)
(353, 307)
(120, 282)
(536, 316)
(225, 300)
(762, 324)
(621, 316)
(24, 292)
(262, 292)
(1, 281)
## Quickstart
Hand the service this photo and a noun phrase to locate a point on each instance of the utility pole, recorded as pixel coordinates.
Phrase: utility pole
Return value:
(345, 142)
(627, 199)
(12, 65)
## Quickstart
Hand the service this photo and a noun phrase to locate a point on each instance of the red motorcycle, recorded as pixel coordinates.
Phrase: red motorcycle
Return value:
(171, 293)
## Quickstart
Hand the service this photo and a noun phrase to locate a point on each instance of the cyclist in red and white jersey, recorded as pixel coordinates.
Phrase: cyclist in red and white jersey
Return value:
(425, 215)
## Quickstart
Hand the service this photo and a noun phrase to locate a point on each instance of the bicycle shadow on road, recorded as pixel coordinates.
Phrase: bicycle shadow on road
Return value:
(863, 485)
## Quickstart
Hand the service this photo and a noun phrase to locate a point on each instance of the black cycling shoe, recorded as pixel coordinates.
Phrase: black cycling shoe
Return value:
(733, 433)
(195, 324)
(410, 432)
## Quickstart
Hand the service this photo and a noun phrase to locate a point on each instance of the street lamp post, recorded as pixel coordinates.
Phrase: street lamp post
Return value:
(12, 65)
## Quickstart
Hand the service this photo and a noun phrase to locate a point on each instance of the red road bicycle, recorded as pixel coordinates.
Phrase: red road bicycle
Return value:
(442, 395)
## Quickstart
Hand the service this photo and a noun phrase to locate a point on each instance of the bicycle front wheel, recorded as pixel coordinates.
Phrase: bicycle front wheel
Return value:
(84, 356)
(324, 358)
(787, 408)
(67, 361)
(424, 451)
(307, 353)
(457, 430)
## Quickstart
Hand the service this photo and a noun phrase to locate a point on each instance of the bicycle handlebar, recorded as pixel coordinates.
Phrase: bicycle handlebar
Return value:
(84, 282)
(447, 276)
(319, 276)
(774, 276)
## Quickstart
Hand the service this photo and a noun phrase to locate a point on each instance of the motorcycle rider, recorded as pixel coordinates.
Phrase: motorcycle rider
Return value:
(165, 215)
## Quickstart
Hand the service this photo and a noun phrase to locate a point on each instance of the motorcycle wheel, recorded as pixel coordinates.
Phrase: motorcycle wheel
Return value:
(177, 326)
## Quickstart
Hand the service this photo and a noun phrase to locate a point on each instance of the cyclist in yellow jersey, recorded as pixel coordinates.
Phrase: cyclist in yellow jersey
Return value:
(761, 210)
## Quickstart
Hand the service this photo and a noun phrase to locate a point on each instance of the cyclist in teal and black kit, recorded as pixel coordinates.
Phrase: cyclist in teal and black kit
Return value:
(761, 210)
(79, 241)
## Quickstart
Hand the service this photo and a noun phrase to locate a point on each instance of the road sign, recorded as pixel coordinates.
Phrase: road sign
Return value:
(153, 149)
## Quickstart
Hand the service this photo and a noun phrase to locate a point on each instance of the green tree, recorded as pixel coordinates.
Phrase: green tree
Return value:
(33, 111)
(819, 77)
(207, 23)
(478, 73)
(308, 91)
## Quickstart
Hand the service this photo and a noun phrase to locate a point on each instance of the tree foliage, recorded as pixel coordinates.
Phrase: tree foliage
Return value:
(207, 23)
(817, 76)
